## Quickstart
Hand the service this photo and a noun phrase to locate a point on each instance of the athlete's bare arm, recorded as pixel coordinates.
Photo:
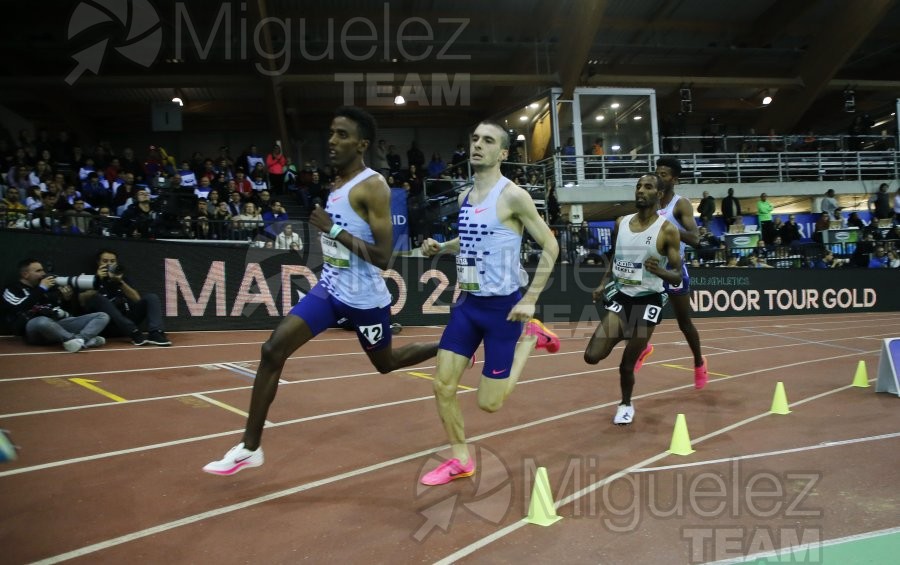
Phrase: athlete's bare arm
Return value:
(371, 199)
(684, 213)
(668, 244)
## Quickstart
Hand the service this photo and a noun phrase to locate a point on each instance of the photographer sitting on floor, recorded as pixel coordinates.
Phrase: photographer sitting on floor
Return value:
(124, 305)
(33, 309)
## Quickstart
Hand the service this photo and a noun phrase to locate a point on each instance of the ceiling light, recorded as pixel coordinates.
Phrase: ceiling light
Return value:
(636, 118)
(177, 100)
(399, 100)
(520, 137)
(600, 118)
(616, 147)
(523, 118)
(614, 105)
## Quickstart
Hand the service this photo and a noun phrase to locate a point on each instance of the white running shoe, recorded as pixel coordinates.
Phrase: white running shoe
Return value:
(95, 341)
(73, 345)
(624, 415)
(236, 459)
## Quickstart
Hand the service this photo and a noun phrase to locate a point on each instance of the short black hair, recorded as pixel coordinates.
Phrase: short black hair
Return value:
(673, 163)
(504, 139)
(25, 263)
(365, 123)
(101, 252)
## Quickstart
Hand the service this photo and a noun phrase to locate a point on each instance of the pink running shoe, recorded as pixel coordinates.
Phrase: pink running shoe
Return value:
(447, 471)
(647, 352)
(701, 375)
(545, 338)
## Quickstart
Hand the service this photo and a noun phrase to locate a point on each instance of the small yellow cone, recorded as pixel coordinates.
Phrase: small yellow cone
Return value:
(542, 510)
(861, 379)
(681, 441)
(779, 401)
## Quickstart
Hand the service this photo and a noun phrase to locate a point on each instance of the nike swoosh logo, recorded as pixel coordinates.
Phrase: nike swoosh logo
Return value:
(370, 347)
(242, 459)
(480, 210)
(500, 372)
(333, 200)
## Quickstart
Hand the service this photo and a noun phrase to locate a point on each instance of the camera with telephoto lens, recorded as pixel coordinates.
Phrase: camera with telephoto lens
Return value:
(79, 282)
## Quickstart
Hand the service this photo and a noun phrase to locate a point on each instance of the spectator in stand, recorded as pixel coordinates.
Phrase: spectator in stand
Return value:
(829, 204)
(128, 164)
(755, 262)
(460, 155)
(827, 261)
(250, 158)
(706, 208)
(96, 191)
(221, 227)
(82, 219)
(103, 223)
(893, 259)
(274, 218)
(415, 180)
(880, 204)
(414, 156)
(14, 205)
(707, 244)
(897, 207)
(393, 159)
(777, 224)
(140, 219)
(187, 176)
(854, 221)
(290, 175)
(235, 204)
(379, 158)
(124, 192)
(436, 166)
(731, 208)
(263, 201)
(822, 224)
(197, 224)
(248, 224)
(243, 186)
(790, 231)
(275, 166)
(764, 215)
(34, 199)
(259, 182)
(879, 259)
(287, 239)
(204, 188)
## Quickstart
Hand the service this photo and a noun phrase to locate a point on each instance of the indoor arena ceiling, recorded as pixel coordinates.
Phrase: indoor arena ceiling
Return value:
(98, 65)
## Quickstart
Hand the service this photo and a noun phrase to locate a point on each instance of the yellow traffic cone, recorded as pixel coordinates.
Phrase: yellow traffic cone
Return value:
(861, 378)
(779, 401)
(681, 441)
(542, 510)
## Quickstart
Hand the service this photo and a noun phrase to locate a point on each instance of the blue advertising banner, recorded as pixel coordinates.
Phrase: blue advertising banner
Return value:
(400, 219)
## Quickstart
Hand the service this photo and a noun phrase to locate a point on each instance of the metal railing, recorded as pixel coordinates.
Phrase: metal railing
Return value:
(700, 168)
(777, 143)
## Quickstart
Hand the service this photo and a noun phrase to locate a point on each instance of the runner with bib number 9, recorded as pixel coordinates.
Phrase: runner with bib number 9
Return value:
(646, 252)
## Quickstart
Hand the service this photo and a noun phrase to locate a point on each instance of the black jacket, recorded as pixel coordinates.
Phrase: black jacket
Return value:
(21, 303)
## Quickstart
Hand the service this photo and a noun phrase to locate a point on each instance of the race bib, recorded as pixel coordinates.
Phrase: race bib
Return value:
(628, 273)
(334, 253)
(467, 273)
(651, 313)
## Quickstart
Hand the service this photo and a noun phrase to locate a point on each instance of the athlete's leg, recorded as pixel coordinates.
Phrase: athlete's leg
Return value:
(450, 368)
(609, 332)
(391, 358)
(630, 355)
(681, 304)
(290, 334)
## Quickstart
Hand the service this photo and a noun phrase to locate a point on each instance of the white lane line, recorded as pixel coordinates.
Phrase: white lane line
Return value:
(450, 559)
(487, 540)
(822, 445)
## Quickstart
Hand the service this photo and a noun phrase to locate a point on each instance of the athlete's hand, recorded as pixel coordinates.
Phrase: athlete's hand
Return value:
(598, 294)
(651, 264)
(320, 219)
(430, 247)
(521, 312)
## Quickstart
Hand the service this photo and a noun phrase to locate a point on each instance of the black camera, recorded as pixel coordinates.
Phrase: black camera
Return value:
(115, 269)
(79, 282)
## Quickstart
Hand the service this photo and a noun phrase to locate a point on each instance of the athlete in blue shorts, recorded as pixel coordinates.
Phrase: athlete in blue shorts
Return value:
(492, 217)
(646, 253)
(678, 211)
(356, 244)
